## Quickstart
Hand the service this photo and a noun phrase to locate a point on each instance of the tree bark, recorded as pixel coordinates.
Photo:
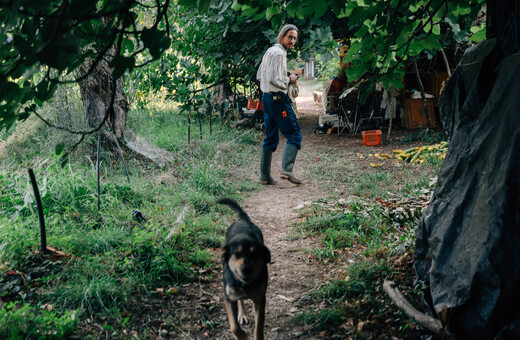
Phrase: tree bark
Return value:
(96, 94)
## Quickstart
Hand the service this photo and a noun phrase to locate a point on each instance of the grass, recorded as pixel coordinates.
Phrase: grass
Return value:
(109, 259)
(111, 262)
(357, 304)
(367, 226)
(26, 322)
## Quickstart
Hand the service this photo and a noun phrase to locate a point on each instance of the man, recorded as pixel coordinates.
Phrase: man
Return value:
(332, 89)
(278, 112)
(339, 83)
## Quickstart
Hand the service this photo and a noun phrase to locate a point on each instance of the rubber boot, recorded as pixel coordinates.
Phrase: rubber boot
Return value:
(265, 167)
(289, 155)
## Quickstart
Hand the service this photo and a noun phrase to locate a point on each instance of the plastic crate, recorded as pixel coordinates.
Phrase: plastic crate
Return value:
(371, 137)
(251, 104)
(254, 104)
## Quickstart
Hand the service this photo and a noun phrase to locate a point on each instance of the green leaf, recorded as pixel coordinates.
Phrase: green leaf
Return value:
(39, 6)
(365, 88)
(461, 10)
(277, 21)
(155, 40)
(29, 30)
(58, 149)
(395, 79)
(81, 7)
(270, 11)
(320, 7)
(64, 159)
(121, 64)
(128, 46)
(292, 8)
(204, 5)
(478, 35)
(249, 11)
(45, 90)
(427, 27)
(21, 44)
(416, 7)
(436, 29)
(356, 71)
(432, 42)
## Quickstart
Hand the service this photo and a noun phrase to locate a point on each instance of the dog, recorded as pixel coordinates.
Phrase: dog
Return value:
(245, 275)
(316, 95)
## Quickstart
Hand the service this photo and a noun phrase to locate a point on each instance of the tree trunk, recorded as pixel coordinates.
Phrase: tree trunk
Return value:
(96, 94)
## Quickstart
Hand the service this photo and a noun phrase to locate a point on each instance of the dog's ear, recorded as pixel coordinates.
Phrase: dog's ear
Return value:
(266, 254)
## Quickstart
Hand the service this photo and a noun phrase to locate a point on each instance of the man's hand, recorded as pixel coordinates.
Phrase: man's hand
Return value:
(293, 78)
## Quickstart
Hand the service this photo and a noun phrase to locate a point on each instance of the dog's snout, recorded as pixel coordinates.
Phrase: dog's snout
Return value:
(247, 267)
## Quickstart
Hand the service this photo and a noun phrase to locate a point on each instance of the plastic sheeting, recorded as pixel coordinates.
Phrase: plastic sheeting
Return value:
(468, 240)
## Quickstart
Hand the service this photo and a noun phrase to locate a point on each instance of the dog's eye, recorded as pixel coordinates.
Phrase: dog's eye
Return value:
(239, 250)
(252, 249)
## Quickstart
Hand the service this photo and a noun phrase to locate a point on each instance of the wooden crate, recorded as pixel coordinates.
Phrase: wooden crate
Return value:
(415, 113)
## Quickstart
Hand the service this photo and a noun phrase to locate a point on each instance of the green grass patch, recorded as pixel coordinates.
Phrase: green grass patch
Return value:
(357, 303)
(368, 225)
(357, 295)
(22, 321)
(110, 258)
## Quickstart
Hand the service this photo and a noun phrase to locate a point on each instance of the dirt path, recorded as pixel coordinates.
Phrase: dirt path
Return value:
(274, 208)
(293, 272)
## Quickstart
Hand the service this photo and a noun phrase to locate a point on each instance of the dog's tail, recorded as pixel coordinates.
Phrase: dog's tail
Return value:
(234, 205)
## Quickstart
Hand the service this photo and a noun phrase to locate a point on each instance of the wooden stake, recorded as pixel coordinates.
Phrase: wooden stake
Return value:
(43, 235)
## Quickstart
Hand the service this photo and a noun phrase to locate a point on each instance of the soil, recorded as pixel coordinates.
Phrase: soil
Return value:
(200, 313)
(196, 310)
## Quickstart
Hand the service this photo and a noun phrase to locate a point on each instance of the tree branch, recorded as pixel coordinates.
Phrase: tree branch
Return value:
(427, 321)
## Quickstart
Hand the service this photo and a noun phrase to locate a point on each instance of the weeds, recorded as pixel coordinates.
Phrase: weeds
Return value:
(110, 260)
(25, 322)
(367, 225)
(357, 303)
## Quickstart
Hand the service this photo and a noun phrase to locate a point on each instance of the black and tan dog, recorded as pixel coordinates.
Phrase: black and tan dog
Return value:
(245, 262)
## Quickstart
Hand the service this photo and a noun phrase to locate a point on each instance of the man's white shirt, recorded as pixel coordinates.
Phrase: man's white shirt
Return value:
(272, 72)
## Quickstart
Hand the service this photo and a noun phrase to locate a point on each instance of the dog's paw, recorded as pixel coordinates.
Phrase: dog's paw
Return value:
(243, 320)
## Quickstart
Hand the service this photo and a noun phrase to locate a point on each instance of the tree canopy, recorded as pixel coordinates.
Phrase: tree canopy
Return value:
(209, 42)
(43, 43)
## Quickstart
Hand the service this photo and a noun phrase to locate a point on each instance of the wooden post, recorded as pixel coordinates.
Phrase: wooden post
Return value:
(97, 169)
(43, 235)
(423, 96)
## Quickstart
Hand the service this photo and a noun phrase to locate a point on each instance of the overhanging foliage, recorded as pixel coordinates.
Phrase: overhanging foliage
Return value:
(43, 44)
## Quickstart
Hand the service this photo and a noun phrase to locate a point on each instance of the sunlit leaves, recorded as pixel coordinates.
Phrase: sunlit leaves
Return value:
(215, 39)
(479, 34)
(218, 46)
(384, 33)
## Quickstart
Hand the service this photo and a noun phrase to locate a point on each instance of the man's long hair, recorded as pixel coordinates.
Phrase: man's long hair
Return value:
(284, 31)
